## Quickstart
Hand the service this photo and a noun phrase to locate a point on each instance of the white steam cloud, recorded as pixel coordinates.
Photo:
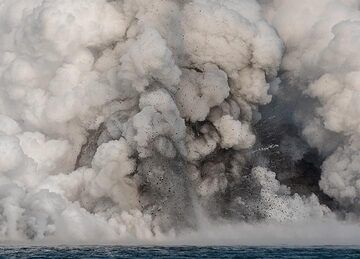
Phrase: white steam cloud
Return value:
(139, 119)
(323, 63)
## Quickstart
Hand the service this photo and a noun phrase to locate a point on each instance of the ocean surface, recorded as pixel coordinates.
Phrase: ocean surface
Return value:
(179, 252)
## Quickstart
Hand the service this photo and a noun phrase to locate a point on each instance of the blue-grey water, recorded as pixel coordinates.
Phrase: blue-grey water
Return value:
(179, 252)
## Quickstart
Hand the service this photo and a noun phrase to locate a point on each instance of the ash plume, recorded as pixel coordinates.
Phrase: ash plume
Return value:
(145, 119)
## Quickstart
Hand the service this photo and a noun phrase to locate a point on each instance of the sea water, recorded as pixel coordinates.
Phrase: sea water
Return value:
(179, 252)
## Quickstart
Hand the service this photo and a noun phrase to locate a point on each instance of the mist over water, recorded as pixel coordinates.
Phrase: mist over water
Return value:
(180, 122)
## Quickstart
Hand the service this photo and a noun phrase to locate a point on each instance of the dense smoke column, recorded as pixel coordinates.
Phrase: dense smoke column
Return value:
(127, 118)
(216, 96)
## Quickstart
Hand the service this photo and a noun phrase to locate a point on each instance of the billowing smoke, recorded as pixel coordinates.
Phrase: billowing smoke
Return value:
(322, 65)
(146, 118)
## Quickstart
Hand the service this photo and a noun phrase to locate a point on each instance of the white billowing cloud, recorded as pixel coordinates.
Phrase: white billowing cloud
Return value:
(11, 153)
(234, 133)
(51, 92)
(233, 35)
(341, 177)
(336, 94)
(199, 92)
(48, 155)
(158, 117)
(322, 62)
(228, 33)
(252, 86)
(65, 26)
(149, 59)
(8, 126)
(113, 165)
(115, 112)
